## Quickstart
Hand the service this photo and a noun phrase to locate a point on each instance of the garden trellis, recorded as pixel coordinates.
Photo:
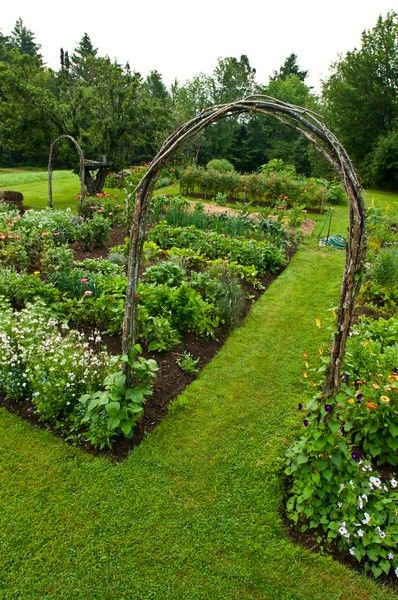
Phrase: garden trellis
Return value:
(50, 167)
(310, 126)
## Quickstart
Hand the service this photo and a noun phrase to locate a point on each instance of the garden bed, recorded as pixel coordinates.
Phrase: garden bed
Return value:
(63, 283)
(170, 379)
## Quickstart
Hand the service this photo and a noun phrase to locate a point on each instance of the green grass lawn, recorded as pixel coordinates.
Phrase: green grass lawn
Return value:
(196, 511)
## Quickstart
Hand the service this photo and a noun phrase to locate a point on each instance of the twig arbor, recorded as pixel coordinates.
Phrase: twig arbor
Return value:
(309, 125)
(50, 167)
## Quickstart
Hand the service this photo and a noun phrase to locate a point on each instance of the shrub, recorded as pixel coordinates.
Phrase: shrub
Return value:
(58, 367)
(21, 288)
(385, 268)
(93, 233)
(277, 165)
(221, 165)
(336, 193)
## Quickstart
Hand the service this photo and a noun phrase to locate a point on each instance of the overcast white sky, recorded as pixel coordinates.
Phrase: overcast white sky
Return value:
(181, 39)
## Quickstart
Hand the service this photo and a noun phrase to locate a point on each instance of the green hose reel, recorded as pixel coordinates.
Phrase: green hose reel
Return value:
(332, 241)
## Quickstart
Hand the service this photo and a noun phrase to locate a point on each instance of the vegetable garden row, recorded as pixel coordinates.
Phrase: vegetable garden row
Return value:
(62, 293)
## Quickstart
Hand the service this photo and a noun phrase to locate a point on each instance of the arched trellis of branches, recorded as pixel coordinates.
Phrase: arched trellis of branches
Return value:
(310, 126)
(50, 167)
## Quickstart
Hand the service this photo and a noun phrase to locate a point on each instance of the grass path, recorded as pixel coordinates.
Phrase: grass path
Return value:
(194, 512)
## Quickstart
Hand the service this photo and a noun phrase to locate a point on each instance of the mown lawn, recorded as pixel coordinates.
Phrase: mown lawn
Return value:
(196, 511)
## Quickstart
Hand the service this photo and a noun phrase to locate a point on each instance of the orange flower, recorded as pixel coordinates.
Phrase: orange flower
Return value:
(372, 405)
(376, 386)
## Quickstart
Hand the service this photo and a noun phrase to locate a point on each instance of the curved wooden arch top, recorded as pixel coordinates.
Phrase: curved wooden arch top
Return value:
(50, 167)
(311, 127)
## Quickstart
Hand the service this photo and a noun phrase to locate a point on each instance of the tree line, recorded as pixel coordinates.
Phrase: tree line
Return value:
(115, 112)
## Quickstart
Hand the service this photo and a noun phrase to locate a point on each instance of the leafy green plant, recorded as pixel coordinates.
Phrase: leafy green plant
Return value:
(166, 272)
(93, 233)
(115, 410)
(157, 332)
(384, 271)
(264, 255)
(336, 492)
(188, 363)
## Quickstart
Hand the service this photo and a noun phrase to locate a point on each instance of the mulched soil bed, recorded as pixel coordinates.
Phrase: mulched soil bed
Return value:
(170, 379)
(116, 238)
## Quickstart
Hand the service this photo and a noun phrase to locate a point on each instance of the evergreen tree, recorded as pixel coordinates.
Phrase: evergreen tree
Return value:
(81, 55)
(23, 39)
(290, 67)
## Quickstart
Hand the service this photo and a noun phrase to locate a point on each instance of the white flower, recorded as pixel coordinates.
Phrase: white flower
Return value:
(390, 556)
(344, 531)
(360, 503)
(360, 533)
(393, 483)
(339, 504)
(381, 533)
(396, 572)
(375, 481)
(367, 518)
(352, 551)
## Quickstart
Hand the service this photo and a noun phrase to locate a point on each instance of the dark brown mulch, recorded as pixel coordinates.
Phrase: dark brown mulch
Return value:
(116, 238)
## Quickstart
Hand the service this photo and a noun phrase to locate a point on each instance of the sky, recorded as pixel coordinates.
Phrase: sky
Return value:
(181, 39)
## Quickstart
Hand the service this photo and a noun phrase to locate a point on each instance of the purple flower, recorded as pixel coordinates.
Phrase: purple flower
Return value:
(359, 397)
(299, 406)
(306, 422)
(328, 408)
(345, 377)
(355, 455)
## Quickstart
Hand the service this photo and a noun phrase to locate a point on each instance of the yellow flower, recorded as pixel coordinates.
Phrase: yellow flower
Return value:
(318, 322)
(376, 386)
(385, 399)
(305, 374)
(36, 272)
(351, 401)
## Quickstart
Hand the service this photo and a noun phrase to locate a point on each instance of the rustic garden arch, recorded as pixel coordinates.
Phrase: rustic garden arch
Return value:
(309, 125)
(50, 167)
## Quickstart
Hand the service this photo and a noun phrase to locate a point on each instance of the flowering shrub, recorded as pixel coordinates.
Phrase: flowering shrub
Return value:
(336, 489)
(52, 366)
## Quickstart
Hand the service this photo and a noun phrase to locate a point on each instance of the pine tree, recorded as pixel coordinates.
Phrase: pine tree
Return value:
(290, 67)
(23, 39)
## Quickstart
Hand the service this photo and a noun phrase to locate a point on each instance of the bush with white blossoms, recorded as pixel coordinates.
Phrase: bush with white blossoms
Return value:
(50, 365)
